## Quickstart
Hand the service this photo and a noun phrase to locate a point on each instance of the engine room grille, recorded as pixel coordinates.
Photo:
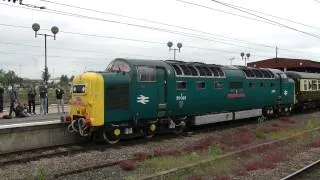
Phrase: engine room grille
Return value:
(117, 96)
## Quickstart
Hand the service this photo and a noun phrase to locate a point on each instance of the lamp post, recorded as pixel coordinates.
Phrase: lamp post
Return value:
(245, 56)
(170, 44)
(54, 30)
(231, 59)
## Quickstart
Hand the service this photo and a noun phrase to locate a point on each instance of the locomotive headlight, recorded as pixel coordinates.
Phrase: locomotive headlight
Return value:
(116, 132)
(153, 127)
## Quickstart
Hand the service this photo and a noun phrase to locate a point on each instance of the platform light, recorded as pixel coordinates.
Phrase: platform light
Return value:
(170, 44)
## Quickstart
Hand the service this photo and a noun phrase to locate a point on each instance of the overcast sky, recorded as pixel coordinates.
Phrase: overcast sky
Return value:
(72, 53)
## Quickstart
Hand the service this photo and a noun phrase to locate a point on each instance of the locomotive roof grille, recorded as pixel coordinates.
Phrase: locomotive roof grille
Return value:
(252, 73)
(196, 69)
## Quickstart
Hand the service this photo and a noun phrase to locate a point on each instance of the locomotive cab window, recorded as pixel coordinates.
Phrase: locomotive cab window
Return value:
(146, 74)
(118, 66)
(79, 89)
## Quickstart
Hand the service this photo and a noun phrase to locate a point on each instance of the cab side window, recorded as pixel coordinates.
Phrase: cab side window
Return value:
(146, 74)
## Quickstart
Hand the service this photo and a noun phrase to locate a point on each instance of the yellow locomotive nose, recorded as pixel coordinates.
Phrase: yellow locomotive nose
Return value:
(87, 101)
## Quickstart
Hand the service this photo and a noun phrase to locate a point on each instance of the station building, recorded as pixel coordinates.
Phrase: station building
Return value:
(287, 64)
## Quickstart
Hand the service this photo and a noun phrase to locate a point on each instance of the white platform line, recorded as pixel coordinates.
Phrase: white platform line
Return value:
(7, 126)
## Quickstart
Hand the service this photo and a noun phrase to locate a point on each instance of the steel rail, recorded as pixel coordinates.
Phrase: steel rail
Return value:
(302, 171)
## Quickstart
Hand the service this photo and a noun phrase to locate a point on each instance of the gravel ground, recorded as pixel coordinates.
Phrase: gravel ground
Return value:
(285, 168)
(47, 166)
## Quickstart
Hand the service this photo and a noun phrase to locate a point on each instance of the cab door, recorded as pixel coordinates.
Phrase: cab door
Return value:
(161, 91)
(146, 95)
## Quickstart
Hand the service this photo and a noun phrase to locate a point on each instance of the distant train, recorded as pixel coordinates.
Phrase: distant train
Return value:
(142, 97)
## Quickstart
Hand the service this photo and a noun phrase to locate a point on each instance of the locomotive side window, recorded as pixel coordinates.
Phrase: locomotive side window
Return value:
(201, 85)
(146, 74)
(235, 85)
(251, 85)
(181, 85)
(218, 85)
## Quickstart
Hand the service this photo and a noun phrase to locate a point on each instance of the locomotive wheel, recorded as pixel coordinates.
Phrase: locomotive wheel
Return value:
(261, 119)
(110, 138)
(179, 128)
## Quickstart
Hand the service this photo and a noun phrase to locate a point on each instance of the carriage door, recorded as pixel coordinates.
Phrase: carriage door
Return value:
(162, 91)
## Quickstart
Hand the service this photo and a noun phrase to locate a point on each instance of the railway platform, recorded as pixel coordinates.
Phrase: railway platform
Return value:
(34, 119)
(36, 131)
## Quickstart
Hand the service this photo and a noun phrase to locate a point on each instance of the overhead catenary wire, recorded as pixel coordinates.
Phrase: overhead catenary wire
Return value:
(156, 22)
(205, 38)
(63, 13)
(238, 8)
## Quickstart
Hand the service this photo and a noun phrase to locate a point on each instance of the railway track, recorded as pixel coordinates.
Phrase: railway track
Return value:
(306, 172)
(55, 151)
(70, 149)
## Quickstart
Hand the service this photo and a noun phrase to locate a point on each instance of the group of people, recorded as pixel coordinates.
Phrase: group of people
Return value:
(22, 110)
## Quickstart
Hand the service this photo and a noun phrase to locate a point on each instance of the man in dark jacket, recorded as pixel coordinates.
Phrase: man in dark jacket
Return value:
(13, 98)
(1, 98)
(31, 100)
(59, 94)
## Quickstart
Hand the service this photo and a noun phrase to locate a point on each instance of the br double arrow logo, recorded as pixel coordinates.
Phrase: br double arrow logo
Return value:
(142, 99)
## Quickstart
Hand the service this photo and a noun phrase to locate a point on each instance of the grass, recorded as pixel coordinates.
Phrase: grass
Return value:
(209, 148)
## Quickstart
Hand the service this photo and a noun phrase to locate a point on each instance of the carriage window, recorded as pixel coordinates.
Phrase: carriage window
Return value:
(305, 85)
(181, 85)
(201, 85)
(235, 85)
(314, 85)
(218, 85)
(146, 74)
(261, 84)
(271, 84)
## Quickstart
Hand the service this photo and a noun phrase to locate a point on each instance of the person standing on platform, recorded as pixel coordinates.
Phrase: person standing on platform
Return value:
(13, 98)
(43, 92)
(59, 94)
(1, 98)
(31, 100)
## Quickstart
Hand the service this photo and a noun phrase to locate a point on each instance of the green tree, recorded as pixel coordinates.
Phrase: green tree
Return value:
(71, 78)
(45, 75)
(64, 80)
(10, 78)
